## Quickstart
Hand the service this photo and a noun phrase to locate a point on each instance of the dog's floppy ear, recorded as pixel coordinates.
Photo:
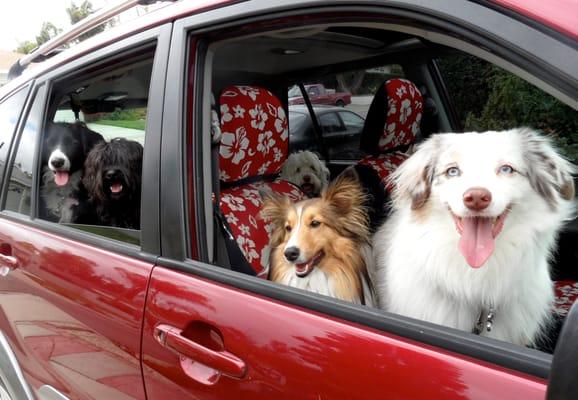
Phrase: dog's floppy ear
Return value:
(348, 200)
(549, 173)
(414, 177)
(274, 207)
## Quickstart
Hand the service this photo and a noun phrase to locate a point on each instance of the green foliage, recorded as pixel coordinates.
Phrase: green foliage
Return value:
(78, 13)
(489, 98)
(47, 32)
(25, 47)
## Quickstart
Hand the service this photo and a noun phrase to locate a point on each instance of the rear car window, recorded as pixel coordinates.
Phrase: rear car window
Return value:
(10, 110)
(92, 148)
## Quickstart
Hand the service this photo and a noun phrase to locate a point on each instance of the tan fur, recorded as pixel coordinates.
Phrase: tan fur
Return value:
(342, 232)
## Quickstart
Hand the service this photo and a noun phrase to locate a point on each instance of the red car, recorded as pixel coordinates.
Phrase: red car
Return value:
(180, 306)
(319, 94)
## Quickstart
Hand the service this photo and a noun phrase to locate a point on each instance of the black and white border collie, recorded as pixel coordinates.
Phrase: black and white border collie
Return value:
(65, 147)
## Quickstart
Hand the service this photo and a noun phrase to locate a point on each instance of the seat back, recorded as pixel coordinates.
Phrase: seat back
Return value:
(392, 125)
(254, 145)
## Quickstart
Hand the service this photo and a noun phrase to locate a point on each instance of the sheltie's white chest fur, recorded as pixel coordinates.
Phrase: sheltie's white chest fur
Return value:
(322, 283)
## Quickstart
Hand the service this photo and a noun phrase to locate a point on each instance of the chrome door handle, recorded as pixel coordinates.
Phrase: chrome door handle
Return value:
(7, 264)
(223, 361)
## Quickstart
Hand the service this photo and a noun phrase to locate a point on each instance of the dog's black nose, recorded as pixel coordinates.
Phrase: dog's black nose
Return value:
(57, 162)
(306, 178)
(110, 174)
(292, 253)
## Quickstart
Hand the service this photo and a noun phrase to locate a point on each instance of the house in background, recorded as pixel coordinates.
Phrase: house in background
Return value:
(7, 58)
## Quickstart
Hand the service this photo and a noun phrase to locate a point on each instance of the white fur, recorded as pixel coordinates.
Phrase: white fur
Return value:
(58, 153)
(420, 271)
(55, 196)
(317, 281)
(304, 164)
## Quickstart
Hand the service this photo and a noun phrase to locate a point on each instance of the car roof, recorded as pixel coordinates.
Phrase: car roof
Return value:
(557, 14)
(560, 15)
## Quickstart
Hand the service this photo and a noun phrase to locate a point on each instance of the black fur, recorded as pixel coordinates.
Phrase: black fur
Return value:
(75, 141)
(117, 163)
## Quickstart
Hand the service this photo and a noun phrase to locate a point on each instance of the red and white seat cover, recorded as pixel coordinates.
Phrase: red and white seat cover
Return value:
(566, 295)
(393, 121)
(254, 145)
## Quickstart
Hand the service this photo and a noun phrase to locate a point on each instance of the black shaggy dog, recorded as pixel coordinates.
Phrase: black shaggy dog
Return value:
(65, 147)
(111, 186)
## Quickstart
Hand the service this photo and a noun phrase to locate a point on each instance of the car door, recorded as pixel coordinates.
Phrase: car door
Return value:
(210, 332)
(72, 296)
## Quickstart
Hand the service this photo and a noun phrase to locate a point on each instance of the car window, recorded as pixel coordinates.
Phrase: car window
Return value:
(20, 184)
(390, 102)
(353, 90)
(504, 101)
(10, 110)
(351, 120)
(330, 123)
(92, 148)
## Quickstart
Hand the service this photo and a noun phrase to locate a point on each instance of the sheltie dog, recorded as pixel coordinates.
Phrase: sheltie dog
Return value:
(322, 244)
(475, 219)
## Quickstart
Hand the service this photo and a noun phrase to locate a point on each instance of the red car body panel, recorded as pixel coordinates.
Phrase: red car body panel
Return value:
(562, 15)
(73, 314)
(291, 353)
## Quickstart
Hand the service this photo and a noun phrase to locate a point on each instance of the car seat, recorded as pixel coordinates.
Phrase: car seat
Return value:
(392, 125)
(254, 144)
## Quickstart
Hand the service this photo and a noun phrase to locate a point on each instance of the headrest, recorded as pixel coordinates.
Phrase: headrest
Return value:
(394, 117)
(254, 133)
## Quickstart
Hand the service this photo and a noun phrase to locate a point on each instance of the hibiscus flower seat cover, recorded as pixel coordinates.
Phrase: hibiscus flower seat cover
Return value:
(254, 145)
(392, 124)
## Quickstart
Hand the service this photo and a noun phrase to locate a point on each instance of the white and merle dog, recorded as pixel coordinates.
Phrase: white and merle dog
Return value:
(475, 220)
(306, 170)
(111, 187)
(64, 150)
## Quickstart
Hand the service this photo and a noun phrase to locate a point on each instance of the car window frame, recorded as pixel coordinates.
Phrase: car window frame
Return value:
(149, 249)
(4, 170)
(194, 215)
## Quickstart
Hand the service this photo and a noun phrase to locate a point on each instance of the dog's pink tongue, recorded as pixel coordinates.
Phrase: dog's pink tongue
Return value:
(116, 188)
(477, 241)
(61, 178)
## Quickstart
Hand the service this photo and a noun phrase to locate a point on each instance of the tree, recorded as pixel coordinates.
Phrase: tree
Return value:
(25, 47)
(78, 13)
(47, 32)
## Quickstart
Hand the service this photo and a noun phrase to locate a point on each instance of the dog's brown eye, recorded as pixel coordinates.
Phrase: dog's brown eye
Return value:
(314, 223)
(298, 169)
(287, 228)
(453, 171)
(506, 169)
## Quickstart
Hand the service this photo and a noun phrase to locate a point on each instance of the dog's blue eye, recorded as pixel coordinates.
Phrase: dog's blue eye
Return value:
(315, 223)
(506, 169)
(453, 171)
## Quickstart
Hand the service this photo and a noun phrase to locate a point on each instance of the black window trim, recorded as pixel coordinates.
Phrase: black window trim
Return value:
(175, 255)
(149, 249)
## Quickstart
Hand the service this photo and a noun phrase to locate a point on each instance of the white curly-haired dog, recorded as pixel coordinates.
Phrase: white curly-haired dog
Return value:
(475, 219)
(306, 170)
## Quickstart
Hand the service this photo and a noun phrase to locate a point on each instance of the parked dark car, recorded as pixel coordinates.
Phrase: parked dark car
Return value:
(182, 308)
(340, 128)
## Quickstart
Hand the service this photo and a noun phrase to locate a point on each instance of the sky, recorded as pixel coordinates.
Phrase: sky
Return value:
(22, 20)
